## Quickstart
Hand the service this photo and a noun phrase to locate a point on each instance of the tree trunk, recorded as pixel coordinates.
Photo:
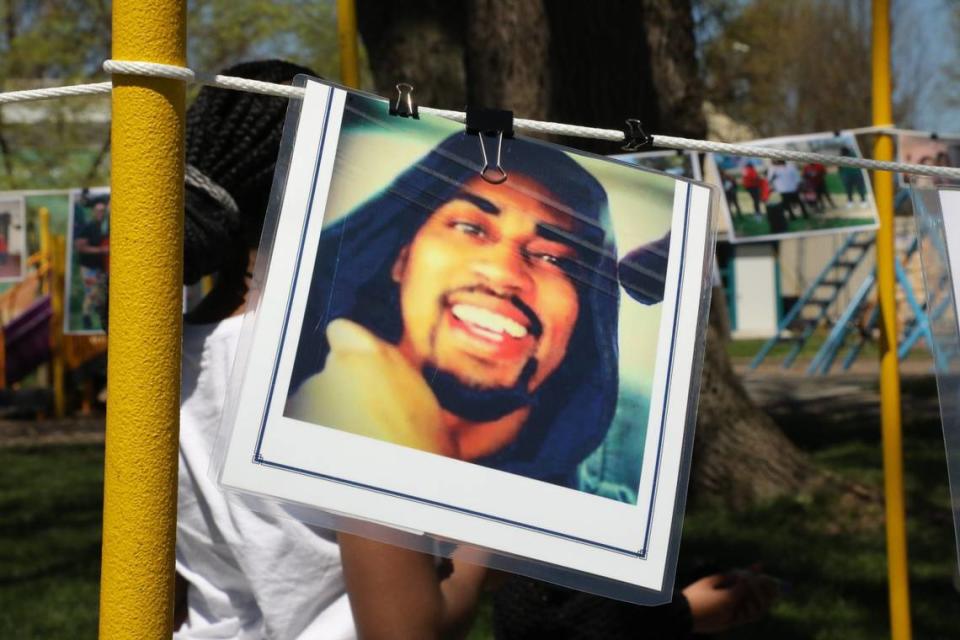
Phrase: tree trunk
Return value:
(497, 31)
(564, 61)
(419, 42)
(674, 77)
(740, 456)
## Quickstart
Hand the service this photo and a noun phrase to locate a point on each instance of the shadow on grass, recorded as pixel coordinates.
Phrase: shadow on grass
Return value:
(832, 557)
(832, 563)
(51, 498)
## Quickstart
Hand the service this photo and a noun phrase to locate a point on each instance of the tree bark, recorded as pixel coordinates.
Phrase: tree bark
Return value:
(507, 58)
(419, 42)
(740, 456)
(598, 79)
(674, 76)
(569, 61)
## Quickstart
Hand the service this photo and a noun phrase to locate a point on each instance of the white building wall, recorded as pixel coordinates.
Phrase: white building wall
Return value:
(755, 282)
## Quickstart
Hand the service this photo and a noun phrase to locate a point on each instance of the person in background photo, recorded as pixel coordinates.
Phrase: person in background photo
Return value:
(751, 182)
(4, 231)
(785, 180)
(730, 191)
(816, 174)
(90, 244)
(852, 179)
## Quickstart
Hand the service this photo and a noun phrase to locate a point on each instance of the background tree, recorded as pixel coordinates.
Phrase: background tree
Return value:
(65, 143)
(801, 67)
(53, 42)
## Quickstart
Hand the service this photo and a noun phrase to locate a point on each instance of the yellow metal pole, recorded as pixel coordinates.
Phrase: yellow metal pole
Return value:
(56, 278)
(45, 257)
(889, 374)
(347, 38)
(144, 331)
(45, 372)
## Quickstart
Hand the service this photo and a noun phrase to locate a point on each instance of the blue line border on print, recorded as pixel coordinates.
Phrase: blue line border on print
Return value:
(259, 459)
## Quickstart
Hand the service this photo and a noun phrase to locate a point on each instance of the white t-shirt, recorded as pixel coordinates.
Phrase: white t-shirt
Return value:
(784, 178)
(251, 574)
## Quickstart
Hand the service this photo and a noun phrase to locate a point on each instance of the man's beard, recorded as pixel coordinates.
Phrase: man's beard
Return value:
(480, 404)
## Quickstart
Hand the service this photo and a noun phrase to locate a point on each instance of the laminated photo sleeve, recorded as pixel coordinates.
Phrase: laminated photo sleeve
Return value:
(936, 206)
(475, 345)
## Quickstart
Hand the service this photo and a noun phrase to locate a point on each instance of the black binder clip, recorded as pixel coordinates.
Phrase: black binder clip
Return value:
(635, 137)
(490, 122)
(404, 106)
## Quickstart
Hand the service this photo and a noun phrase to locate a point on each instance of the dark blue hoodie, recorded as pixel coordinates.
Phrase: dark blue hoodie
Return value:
(573, 408)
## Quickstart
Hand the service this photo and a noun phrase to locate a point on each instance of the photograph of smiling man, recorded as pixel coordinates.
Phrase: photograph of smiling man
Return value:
(511, 365)
(470, 298)
(482, 317)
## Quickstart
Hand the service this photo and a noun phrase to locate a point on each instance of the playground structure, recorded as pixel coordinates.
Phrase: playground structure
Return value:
(856, 324)
(32, 339)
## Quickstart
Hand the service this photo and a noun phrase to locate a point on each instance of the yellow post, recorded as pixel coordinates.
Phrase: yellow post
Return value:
(889, 373)
(51, 374)
(144, 332)
(347, 38)
(45, 257)
(55, 278)
(44, 372)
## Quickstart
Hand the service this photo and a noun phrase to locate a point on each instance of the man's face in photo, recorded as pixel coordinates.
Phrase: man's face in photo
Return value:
(483, 287)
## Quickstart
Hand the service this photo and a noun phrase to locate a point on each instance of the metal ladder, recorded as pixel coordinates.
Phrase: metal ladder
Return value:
(818, 297)
(916, 327)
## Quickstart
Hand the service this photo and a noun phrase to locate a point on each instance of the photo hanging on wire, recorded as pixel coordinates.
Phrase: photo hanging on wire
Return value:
(88, 262)
(504, 370)
(936, 206)
(775, 199)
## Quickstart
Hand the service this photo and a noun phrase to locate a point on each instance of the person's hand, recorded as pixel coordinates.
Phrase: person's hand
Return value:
(367, 387)
(723, 601)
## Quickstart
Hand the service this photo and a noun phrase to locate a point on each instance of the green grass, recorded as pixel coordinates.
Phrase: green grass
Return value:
(835, 565)
(835, 559)
(747, 348)
(750, 225)
(50, 501)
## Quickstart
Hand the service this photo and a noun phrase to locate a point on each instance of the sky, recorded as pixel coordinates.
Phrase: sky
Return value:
(928, 33)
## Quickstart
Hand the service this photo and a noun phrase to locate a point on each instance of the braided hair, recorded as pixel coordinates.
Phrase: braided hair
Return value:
(232, 142)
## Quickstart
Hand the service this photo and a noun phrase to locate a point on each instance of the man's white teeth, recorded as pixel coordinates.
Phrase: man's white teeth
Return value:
(488, 321)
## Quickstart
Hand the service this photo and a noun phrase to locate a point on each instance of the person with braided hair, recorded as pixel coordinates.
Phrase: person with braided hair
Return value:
(262, 574)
